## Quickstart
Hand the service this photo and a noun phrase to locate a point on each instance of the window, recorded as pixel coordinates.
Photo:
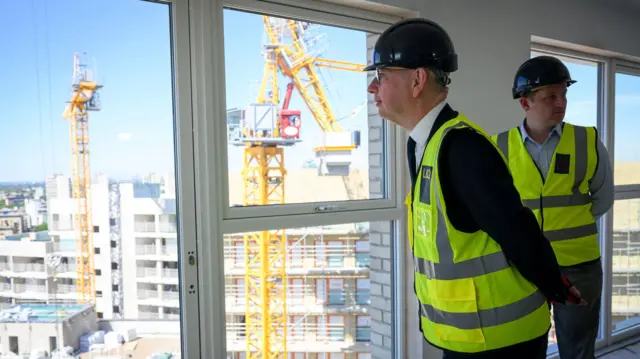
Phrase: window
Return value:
(304, 102)
(363, 291)
(153, 121)
(292, 233)
(625, 297)
(338, 290)
(362, 254)
(627, 105)
(363, 328)
(126, 184)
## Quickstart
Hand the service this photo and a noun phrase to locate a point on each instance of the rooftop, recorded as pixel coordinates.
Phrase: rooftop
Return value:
(42, 236)
(41, 313)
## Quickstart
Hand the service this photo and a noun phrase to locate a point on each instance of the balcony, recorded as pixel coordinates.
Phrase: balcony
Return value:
(304, 337)
(147, 294)
(158, 276)
(144, 227)
(30, 288)
(307, 260)
(148, 315)
(61, 226)
(146, 249)
(169, 251)
(302, 299)
(168, 227)
(170, 295)
(66, 288)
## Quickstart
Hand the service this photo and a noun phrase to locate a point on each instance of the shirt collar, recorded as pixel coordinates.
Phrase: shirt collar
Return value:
(421, 132)
(525, 135)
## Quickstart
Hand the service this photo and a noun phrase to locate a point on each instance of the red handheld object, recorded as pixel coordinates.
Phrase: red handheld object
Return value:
(570, 296)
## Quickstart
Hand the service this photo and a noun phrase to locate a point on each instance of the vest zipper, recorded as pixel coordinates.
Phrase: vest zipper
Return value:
(541, 195)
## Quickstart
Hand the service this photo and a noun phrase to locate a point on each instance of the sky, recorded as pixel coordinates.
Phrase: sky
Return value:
(129, 46)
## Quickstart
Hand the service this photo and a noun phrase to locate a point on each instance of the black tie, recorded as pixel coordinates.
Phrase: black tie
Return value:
(411, 154)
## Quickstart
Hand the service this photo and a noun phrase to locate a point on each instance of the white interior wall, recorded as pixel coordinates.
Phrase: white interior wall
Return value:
(492, 39)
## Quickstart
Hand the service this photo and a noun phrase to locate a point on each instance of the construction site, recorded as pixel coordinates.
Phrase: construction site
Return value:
(104, 280)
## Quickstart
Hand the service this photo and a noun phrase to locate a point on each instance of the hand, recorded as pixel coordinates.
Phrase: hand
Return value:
(574, 295)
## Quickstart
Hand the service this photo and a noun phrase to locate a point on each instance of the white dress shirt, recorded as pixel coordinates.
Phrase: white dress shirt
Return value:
(421, 132)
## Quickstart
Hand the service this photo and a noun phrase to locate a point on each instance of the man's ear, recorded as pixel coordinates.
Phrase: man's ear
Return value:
(419, 81)
(524, 102)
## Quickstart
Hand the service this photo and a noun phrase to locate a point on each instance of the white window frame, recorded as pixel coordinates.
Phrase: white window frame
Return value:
(212, 218)
(607, 69)
(622, 192)
(315, 12)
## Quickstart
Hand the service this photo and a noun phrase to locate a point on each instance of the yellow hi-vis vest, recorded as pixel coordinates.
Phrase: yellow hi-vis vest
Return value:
(562, 202)
(471, 298)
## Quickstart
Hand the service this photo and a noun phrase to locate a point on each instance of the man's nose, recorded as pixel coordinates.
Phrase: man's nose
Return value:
(373, 86)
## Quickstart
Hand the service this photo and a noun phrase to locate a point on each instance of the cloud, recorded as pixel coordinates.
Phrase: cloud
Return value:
(124, 136)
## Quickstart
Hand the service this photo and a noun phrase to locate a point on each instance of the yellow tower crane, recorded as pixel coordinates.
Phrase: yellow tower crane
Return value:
(84, 98)
(268, 129)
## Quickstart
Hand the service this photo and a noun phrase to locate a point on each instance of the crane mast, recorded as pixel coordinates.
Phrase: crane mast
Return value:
(266, 131)
(84, 98)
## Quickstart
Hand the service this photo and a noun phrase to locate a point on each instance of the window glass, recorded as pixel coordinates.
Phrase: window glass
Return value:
(98, 182)
(298, 114)
(324, 302)
(627, 149)
(626, 264)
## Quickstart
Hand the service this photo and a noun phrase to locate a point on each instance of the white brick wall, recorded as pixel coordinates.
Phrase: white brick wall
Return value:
(379, 238)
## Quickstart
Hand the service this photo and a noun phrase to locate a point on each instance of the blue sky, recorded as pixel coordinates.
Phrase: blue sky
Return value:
(129, 40)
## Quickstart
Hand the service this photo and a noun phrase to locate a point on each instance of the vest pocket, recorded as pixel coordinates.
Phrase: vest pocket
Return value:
(455, 311)
(425, 185)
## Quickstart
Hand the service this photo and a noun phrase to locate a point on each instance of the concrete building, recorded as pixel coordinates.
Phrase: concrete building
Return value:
(36, 211)
(13, 223)
(42, 328)
(60, 207)
(149, 252)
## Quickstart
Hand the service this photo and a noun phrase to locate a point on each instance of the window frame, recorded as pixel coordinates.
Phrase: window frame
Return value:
(392, 144)
(608, 66)
(620, 192)
(207, 93)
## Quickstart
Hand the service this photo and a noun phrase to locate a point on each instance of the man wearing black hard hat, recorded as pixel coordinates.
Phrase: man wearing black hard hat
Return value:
(564, 176)
(483, 270)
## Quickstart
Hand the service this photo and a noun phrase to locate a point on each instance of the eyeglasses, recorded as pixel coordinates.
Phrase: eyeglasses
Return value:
(380, 71)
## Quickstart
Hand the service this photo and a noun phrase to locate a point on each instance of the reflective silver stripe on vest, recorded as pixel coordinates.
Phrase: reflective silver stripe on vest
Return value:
(581, 157)
(486, 317)
(571, 233)
(577, 199)
(466, 269)
(503, 144)
(447, 269)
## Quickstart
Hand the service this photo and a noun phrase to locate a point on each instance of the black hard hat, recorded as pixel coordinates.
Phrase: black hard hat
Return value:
(540, 71)
(414, 43)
